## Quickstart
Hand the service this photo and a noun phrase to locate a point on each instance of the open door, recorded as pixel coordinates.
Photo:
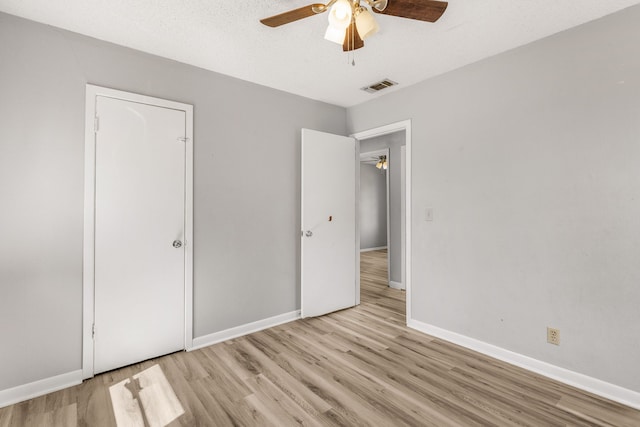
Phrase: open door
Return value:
(328, 223)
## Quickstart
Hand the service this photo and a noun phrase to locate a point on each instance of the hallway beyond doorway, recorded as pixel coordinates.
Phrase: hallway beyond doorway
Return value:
(374, 286)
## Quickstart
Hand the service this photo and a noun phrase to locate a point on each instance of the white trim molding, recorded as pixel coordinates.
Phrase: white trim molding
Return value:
(395, 285)
(373, 249)
(39, 388)
(249, 328)
(592, 385)
(88, 260)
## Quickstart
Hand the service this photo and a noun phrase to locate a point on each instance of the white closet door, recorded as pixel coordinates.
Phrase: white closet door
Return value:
(139, 226)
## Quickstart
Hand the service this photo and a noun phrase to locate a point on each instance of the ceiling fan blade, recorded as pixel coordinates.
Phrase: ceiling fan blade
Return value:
(290, 16)
(352, 40)
(422, 10)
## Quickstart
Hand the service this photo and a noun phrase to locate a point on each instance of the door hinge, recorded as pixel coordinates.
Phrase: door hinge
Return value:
(185, 139)
(93, 330)
(96, 124)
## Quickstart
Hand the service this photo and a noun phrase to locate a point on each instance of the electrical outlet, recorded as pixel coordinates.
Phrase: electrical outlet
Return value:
(553, 336)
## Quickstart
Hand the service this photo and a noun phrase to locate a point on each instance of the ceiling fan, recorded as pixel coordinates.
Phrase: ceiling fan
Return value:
(350, 22)
(379, 161)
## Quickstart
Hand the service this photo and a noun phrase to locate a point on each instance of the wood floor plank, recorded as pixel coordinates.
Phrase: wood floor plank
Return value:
(277, 406)
(195, 411)
(350, 407)
(205, 393)
(5, 416)
(93, 404)
(227, 382)
(599, 414)
(34, 410)
(61, 399)
(240, 412)
(66, 416)
(362, 337)
(355, 367)
(410, 379)
(342, 358)
(190, 366)
(304, 398)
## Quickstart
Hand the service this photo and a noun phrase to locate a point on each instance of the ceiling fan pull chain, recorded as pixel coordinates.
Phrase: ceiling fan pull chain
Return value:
(348, 41)
(353, 43)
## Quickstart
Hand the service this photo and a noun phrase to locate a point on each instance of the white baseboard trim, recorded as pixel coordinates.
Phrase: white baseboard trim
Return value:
(241, 330)
(38, 388)
(395, 285)
(593, 385)
(373, 249)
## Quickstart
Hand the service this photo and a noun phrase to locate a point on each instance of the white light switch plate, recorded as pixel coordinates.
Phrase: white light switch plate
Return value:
(428, 214)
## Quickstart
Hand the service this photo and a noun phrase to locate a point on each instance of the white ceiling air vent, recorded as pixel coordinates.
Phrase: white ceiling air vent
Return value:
(376, 87)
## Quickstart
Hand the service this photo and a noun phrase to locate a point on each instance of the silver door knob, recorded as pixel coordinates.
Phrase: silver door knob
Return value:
(177, 244)
(309, 233)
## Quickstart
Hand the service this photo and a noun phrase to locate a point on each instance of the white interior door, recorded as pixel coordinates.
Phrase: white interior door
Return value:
(139, 232)
(328, 223)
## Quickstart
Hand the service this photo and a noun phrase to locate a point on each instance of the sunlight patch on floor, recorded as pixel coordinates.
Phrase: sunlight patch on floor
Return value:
(145, 400)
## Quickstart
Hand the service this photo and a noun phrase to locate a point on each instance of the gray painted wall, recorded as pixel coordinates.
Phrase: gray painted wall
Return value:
(246, 220)
(393, 142)
(530, 160)
(373, 207)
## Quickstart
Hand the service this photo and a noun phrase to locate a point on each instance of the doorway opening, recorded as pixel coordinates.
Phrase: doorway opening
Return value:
(375, 230)
(382, 243)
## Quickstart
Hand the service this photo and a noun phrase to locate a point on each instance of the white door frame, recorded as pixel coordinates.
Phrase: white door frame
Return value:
(88, 256)
(371, 133)
(403, 215)
(382, 152)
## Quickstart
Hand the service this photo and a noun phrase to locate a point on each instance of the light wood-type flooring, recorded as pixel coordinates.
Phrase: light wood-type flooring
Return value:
(356, 367)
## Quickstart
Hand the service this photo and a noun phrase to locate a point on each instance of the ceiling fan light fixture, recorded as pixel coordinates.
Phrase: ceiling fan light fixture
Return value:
(335, 35)
(366, 24)
(352, 20)
(382, 163)
(340, 14)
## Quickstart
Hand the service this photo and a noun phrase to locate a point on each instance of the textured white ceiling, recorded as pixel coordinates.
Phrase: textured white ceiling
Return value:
(226, 36)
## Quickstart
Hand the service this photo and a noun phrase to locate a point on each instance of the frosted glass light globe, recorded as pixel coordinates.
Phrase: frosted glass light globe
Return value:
(366, 24)
(340, 14)
(335, 35)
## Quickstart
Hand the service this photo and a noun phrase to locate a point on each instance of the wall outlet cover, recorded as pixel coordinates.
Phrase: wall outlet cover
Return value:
(553, 336)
